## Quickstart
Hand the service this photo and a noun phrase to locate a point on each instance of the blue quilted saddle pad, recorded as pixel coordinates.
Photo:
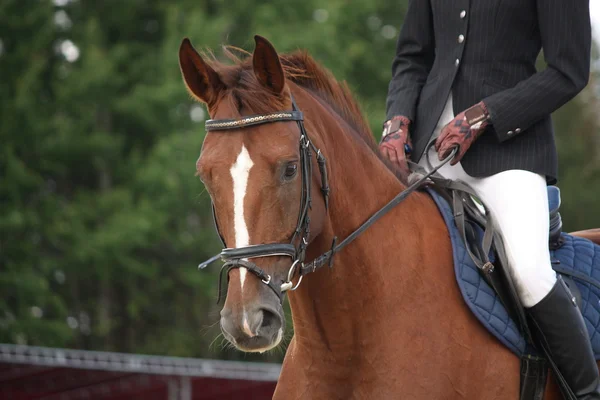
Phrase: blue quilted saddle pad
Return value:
(577, 258)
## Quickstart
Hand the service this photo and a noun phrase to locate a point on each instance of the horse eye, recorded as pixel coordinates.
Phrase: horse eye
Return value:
(290, 170)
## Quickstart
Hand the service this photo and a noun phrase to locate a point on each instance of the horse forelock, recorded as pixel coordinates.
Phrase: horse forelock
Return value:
(244, 91)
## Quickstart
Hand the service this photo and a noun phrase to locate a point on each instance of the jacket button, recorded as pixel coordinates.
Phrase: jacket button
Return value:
(509, 133)
(461, 38)
(463, 14)
(456, 62)
(518, 130)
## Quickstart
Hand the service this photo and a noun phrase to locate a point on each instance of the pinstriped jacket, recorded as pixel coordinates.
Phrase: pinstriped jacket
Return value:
(486, 50)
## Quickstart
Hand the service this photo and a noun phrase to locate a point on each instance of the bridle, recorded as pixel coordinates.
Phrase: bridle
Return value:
(296, 248)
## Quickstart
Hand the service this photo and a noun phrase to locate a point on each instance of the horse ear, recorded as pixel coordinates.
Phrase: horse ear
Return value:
(267, 66)
(201, 80)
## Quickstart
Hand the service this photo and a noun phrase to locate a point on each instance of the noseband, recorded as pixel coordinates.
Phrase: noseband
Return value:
(296, 248)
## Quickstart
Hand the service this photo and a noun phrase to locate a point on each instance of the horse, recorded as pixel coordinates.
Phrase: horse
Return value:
(386, 319)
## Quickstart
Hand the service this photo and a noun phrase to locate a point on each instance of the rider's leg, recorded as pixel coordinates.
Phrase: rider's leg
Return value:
(518, 202)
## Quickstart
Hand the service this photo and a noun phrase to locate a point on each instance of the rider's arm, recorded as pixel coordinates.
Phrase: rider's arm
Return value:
(413, 60)
(566, 40)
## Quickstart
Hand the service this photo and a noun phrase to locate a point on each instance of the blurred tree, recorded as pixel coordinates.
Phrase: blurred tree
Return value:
(578, 139)
(103, 220)
(30, 309)
(102, 223)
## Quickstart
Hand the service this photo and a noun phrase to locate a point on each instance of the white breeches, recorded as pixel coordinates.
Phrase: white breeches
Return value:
(518, 201)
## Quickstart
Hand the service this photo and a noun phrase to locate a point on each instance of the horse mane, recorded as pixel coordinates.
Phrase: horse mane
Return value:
(246, 92)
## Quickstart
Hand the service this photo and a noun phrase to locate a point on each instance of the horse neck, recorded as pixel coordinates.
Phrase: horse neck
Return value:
(330, 307)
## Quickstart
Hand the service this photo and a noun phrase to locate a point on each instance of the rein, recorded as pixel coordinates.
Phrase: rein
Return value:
(238, 257)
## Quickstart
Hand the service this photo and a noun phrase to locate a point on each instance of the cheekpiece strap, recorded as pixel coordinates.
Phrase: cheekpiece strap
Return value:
(225, 124)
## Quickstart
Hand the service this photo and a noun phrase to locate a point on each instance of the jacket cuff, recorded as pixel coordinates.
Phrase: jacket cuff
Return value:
(400, 107)
(405, 120)
(504, 126)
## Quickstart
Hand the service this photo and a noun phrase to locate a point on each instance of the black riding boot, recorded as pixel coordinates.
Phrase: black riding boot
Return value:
(561, 326)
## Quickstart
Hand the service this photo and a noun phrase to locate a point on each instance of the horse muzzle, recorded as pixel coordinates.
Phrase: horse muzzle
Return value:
(257, 329)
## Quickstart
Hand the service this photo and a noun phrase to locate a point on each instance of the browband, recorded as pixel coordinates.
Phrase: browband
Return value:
(224, 124)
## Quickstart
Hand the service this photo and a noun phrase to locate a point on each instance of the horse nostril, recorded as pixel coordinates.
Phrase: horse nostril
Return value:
(269, 319)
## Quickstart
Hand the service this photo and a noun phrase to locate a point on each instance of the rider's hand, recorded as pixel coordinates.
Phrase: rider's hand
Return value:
(395, 143)
(462, 132)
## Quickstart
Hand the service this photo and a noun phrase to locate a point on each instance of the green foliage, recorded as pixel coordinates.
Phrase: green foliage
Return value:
(102, 220)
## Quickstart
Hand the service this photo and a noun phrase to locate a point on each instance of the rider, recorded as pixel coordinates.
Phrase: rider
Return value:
(464, 72)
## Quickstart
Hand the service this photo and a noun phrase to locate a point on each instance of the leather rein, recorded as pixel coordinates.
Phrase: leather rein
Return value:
(296, 248)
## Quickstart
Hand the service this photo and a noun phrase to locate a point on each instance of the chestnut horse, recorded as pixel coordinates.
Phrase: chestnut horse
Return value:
(387, 321)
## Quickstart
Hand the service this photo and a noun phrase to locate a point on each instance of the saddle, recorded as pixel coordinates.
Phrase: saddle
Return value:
(488, 290)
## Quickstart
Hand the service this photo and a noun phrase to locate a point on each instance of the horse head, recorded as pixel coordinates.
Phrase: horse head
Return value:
(256, 178)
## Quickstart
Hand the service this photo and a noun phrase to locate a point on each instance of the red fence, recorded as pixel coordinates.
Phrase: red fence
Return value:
(56, 374)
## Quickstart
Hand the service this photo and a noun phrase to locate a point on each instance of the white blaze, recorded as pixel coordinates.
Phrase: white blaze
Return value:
(246, 326)
(239, 173)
